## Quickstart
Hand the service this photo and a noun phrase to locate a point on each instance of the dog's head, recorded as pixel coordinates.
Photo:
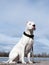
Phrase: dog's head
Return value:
(31, 25)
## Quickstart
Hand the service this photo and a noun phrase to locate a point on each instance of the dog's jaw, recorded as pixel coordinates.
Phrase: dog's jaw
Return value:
(29, 32)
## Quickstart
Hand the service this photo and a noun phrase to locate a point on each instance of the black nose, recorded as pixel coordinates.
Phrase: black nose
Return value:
(33, 25)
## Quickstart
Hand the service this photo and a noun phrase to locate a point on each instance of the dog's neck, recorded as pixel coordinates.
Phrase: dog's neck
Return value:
(29, 34)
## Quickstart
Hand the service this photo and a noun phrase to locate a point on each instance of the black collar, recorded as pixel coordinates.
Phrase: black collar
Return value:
(30, 36)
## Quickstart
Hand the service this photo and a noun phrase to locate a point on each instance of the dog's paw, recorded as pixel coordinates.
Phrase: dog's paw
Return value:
(24, 62)
(30, 62)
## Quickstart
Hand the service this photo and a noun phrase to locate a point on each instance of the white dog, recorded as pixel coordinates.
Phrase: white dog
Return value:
(24, 45)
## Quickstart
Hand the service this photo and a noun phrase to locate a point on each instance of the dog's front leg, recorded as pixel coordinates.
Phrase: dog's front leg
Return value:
(22, 57)
(29, 58)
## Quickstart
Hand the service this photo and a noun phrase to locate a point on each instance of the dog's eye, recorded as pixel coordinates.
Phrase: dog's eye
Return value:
(29, 23)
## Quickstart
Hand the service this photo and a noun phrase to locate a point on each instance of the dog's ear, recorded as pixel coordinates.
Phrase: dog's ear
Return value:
(27, 22)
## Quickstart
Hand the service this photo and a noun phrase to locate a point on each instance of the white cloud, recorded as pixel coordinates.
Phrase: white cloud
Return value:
(7, 39)
(7, 42)
(43, 41)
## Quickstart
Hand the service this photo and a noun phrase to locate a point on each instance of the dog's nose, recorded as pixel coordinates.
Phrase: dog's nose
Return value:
(33, 25)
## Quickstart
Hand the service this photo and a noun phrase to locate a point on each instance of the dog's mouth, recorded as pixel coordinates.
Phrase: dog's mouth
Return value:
(34, 27)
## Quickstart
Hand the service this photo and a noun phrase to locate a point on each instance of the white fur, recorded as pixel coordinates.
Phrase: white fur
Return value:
(19, 48)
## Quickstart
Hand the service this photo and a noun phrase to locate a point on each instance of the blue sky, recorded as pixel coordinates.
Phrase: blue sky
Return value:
(13, 17)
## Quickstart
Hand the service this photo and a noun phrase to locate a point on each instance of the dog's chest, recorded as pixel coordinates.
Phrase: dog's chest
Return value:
(30, 41)
(28, 46)
(27, 40)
